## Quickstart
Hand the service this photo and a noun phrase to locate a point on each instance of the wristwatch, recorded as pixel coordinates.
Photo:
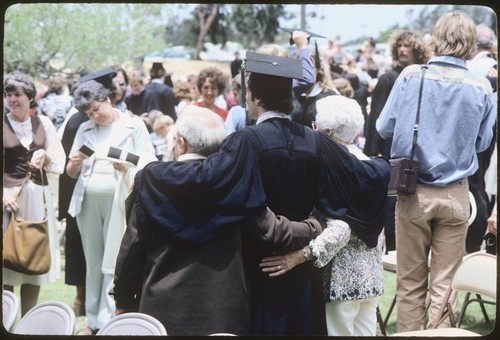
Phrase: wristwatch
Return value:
(306, 254)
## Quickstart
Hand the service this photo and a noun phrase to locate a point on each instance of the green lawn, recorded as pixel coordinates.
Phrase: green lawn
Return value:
(473, 321)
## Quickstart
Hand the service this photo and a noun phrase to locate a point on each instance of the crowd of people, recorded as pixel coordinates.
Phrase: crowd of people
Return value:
(253, 200)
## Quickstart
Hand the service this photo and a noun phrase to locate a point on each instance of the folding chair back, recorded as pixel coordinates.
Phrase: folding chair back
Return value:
(48, 318)
(133, 324)
(10, 309)
(477, 275)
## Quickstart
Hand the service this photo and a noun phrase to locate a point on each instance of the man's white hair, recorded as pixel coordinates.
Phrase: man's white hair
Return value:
(340, 114)
(203, 129)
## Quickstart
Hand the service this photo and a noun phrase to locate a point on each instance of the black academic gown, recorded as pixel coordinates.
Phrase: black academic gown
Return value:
(374, 143)
(289, 167)
(158, 96)
(304, 111)
(75, 269)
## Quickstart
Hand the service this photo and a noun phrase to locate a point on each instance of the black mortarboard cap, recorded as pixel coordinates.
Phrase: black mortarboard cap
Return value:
(157, 66)
(269, 65)
(103, 76)
(272, 65)
(311, 34)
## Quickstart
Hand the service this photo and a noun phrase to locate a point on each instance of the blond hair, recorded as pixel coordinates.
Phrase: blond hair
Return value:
(163, 119)
(344, 87)
(454, 34)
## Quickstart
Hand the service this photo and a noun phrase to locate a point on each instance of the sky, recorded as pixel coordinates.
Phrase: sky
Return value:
(353, 21)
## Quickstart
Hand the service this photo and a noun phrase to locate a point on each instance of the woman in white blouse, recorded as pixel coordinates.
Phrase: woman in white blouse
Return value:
(102, 186)
(352, 272)
(30, 143)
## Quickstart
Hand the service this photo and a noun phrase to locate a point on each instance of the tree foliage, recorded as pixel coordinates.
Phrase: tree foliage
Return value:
(249, 24)
(257, 24)
(46, 38)
(72, 38)
(426, 18)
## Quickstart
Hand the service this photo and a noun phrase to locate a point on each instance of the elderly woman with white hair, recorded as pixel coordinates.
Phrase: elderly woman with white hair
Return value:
(352, 271)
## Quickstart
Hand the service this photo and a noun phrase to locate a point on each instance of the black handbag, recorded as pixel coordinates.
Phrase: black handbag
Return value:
(404, 171)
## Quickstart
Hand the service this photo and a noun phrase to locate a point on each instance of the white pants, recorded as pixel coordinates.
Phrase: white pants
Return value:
(93, 224)
(352, 318)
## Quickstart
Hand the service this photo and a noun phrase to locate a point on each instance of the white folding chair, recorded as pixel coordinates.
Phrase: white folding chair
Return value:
(133, 324)
(10, 309)
(476, 274)
(48, 318)
(473, 209)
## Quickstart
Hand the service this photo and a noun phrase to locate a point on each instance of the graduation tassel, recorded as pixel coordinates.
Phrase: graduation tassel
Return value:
(243, 84)
(316, 57)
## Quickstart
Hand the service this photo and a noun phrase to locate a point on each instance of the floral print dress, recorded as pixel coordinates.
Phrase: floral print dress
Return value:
(351, 269)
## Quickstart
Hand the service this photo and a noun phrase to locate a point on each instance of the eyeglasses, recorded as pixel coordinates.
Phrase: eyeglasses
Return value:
(327, 131)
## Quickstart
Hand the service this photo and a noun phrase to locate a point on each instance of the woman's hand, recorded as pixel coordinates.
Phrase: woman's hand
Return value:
(300, 39)
(279, 265)
(10, 203)
(492, 224)
(119, 311)
(38, 159)
(120, 167)
(75, 165)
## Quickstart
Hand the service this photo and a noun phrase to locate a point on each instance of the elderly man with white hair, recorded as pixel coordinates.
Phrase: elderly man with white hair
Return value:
(353, 273)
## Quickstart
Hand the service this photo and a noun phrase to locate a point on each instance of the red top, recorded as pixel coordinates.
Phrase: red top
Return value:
(219, 110)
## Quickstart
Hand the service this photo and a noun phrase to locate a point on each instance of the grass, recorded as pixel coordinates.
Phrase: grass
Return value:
(473, 320)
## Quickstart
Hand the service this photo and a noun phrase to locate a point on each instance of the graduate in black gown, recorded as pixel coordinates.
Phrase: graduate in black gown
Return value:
(279, 163)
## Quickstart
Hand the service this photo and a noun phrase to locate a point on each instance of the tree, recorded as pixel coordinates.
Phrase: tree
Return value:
(206, 15)
(250, 25)
(426, 18)
(423, 21)
(46, 38)
(257, 24)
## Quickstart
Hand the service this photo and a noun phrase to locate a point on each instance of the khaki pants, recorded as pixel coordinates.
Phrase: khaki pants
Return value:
(434, 220)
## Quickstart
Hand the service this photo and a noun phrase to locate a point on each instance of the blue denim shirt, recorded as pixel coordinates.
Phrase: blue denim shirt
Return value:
(456, 119)
(308, 72)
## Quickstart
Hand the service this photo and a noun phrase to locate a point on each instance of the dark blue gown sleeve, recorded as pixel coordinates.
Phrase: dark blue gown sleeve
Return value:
(353, 190)
(195, 200)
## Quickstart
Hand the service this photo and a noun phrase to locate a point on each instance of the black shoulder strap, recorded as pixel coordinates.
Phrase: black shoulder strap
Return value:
(417, 117)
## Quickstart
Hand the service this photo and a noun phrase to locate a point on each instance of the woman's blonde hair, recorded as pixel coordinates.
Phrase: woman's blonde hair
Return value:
(344, 88)
(454, 34)
(163, 119)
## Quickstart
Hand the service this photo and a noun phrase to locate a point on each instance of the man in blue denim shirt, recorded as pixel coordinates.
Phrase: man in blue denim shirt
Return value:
(456, 120)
